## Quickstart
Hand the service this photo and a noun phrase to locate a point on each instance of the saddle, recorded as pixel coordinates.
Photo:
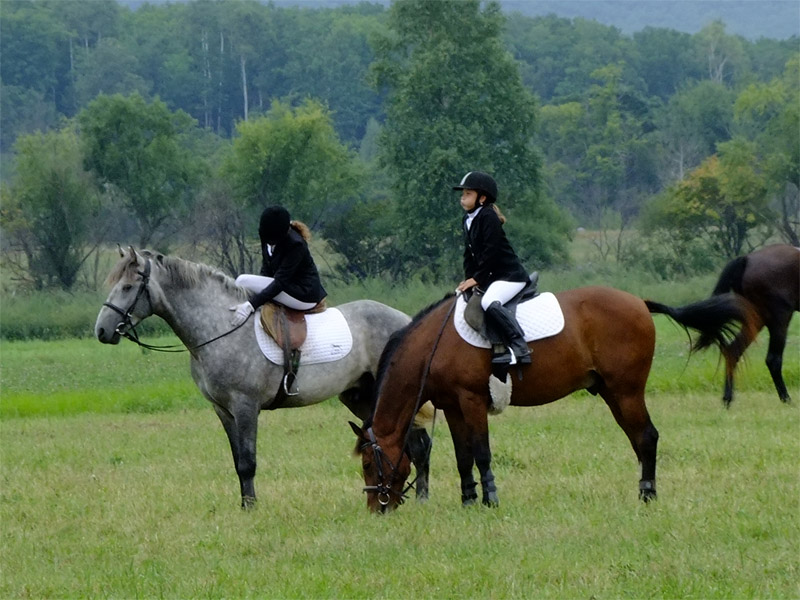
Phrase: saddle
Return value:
(475, 318)
(288, 327)
(473, 314)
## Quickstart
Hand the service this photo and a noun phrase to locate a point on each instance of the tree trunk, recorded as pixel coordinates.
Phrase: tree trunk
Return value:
(243, 65)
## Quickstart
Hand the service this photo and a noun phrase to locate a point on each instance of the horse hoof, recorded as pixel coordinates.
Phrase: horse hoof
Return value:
(469, 501)
(492, 501)
(248, 502)
(647, 495)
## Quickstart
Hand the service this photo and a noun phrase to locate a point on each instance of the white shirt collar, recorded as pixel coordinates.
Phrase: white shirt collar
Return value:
(471, 216)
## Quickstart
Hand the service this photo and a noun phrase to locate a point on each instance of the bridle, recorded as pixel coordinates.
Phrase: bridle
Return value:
(127, 329)
(383, 490)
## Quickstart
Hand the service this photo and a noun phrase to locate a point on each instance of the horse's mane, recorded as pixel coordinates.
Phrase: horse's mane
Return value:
(180, 272)
(395, 341)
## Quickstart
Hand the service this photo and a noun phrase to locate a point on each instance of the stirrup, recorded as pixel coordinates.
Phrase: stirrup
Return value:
(293, 385)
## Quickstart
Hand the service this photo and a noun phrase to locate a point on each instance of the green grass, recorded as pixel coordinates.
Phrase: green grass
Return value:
(147, 506)
(116, 480)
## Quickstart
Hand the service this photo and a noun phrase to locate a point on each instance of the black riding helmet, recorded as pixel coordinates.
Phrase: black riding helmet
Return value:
(274, 224)
(483, 183)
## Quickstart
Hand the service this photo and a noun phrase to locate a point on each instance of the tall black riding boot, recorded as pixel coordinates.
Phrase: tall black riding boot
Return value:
(506, 324)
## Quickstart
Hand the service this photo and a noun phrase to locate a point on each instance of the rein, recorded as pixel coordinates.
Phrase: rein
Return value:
(382, 489)
(127, 329)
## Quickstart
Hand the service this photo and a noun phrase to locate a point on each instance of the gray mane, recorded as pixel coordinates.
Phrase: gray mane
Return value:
(181, 273)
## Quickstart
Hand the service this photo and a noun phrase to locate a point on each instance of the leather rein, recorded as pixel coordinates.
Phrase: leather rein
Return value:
(127, 329)
(384, 490)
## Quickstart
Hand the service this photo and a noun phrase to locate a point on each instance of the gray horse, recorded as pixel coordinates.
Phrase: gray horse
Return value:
(227, 365)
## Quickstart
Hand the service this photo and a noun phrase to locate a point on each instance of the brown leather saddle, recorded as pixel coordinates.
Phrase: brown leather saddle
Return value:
(289, 329)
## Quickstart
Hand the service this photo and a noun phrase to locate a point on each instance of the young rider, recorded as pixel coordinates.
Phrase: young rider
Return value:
(288, 273)
(490, 263)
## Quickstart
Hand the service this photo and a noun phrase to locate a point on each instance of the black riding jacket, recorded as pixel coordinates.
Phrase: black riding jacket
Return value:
(488, 255)
(293, 270)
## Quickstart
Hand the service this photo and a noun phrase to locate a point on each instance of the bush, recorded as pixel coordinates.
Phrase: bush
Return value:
(57, 315)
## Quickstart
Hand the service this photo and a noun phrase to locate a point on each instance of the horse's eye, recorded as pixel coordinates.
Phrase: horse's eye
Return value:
(367, 466)
(127, 288)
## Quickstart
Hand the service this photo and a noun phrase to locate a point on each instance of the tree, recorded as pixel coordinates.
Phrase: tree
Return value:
(769, 115)
(723, 201)
(290, 157)
(136, 148)
(455, 103)
(50, 215)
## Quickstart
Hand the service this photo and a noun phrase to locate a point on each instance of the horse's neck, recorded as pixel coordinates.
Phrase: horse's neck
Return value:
(196, 313)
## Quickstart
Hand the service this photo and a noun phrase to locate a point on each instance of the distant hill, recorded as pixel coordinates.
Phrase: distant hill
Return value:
(752, 19)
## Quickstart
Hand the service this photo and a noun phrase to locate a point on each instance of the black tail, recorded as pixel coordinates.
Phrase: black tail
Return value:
(718, 319)
(730, 280)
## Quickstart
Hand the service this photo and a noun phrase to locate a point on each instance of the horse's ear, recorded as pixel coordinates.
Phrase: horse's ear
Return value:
(121, 251)
(357, 430)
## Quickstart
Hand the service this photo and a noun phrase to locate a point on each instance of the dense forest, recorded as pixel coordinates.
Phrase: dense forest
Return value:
(174, 124)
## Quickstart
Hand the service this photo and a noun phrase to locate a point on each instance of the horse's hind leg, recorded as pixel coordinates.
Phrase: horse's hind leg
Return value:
(732, 353)
(777, 344)
(241, 429)
(631, 414)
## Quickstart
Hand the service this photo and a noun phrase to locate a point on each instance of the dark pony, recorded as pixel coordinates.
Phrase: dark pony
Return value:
(767, 284)
(606, 347)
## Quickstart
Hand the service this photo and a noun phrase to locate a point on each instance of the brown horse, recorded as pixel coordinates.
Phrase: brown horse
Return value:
(606, 347)
(767, 283)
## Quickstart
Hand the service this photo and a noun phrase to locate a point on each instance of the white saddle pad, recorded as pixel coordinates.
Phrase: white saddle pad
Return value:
(328, 338)
(539, 318)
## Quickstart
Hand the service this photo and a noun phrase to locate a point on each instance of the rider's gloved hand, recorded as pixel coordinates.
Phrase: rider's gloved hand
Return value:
(242, 311)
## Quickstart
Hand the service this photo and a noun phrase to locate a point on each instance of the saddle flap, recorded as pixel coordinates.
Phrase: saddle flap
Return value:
(284, 324)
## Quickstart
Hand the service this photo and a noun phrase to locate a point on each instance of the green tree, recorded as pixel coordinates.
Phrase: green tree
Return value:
(723, 201)
(455, 103)
(291, 157)
(50, 213)
(136, 148)
(769, 115)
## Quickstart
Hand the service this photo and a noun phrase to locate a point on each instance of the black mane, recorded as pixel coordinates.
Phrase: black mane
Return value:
(395, 341)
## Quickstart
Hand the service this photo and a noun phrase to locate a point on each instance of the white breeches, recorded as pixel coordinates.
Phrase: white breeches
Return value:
(501, 291)
(256, 283)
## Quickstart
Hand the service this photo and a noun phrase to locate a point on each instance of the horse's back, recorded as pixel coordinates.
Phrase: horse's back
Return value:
(608, 338)
(773, 272)
(372, 324)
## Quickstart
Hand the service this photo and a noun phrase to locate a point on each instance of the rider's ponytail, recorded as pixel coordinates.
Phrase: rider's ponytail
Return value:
(499, 213)
(302, 229)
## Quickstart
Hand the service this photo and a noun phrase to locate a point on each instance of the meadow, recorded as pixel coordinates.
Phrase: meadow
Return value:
(116, 479)
(117, 482)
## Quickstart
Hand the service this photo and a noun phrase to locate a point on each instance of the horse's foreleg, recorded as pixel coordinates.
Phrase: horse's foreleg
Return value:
(777, 344)
(240, 426)
(419, 446)
(464, 457)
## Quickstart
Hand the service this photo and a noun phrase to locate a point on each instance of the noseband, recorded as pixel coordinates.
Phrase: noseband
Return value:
(382, 489)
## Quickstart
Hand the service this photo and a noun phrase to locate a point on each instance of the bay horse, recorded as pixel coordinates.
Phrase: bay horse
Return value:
(228, 366)
(605, 347)
(767, 283)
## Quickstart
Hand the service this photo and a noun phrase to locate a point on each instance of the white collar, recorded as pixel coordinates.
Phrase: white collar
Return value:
(471, 216)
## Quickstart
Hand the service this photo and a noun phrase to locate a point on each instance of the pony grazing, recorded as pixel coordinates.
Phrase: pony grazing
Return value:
(606, 347)
(227, 364)
(767, 282)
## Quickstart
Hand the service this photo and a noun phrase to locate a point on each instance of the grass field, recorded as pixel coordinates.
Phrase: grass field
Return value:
(116, 481)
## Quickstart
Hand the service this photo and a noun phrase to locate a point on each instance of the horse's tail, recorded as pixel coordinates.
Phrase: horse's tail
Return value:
(730, 280)
(718, 319)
